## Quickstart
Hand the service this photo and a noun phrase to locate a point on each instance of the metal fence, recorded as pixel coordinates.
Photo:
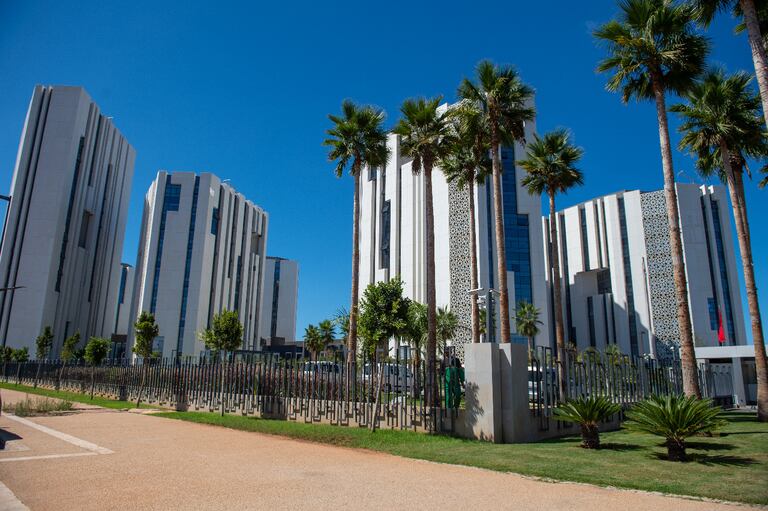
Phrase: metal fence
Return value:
(621, 378)
(387, 394)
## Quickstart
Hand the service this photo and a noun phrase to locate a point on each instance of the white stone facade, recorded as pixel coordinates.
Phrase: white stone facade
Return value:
(616, 269)
(63, 235)
(392, 240)
(281, 294)
(202, 250)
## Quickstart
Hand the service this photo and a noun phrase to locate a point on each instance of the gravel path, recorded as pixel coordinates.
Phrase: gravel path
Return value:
(159, 463)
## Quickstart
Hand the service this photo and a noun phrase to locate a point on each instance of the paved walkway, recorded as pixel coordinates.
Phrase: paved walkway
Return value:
(118, 460)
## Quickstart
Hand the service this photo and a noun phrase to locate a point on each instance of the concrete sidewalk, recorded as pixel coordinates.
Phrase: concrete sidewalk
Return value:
(159, 463)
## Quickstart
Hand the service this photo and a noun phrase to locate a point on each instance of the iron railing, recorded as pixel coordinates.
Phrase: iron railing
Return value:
(621, 378)
(387, 394)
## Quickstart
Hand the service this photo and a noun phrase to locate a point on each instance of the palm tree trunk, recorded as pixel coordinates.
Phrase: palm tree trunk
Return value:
(352, 340)
(431, 295)
(738, 202)
(687, 353)
(473, 262)
(501, 250)
(557, 291)
(758, 51)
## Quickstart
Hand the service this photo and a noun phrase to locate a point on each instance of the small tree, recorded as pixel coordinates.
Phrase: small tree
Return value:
(95, 352)
(69, 349)
(43, 343)
(20, 356)
(225, 335)
(146, 330)
(383, 315)
(527, 322)
(447, 325)
(68, 354)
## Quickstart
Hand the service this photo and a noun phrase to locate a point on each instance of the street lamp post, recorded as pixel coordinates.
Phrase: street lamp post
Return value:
(485, 298)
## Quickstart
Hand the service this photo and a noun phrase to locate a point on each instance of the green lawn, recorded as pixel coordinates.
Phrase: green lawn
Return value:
(731, 466)
(75, 397)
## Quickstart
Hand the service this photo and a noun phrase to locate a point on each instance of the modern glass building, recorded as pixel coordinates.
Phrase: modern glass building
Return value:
(202, 250)
(64, 230)
(393, 240)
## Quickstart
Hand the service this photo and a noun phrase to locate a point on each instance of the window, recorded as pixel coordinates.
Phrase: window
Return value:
(712, 306)
(215, 222)
(628, 278)
(603, 282)
(385, 234)
(185, 289)
(85, 223)
(591, 316)
(584, 238)
(724, 283)
(171, 197)
(72, 190)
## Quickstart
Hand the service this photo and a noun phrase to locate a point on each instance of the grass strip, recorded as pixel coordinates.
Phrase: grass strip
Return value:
(74, 397)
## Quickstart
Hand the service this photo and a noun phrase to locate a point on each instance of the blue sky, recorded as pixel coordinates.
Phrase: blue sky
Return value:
(243, 90)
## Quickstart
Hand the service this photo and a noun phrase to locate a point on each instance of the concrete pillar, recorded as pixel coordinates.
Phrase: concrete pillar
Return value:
(482, 418)
(516, 417)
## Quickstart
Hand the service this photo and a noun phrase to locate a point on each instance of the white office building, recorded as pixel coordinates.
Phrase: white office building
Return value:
(281, 293)
(63, 234)
(123, 320)
(616, 268)
(201, 251)
(392, 240)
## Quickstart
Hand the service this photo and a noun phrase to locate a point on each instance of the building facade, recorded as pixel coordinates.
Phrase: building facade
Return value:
(616, 268)
(63, 234)
(123, 320)
(201, 251)
(281, 293)
(392, 240)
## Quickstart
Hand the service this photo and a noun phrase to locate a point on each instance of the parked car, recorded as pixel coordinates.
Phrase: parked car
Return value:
(395, 377)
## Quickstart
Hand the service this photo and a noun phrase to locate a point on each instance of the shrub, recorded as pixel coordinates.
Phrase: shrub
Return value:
(675, 418)
(587, 413)
(37, 406)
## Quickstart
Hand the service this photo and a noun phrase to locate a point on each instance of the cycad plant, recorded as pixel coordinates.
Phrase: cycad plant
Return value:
(653, 50)
(357, 140)
(587, 412)
(675, 418)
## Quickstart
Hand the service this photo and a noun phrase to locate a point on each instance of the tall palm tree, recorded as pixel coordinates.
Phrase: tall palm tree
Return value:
(722, 127)
(653, 49)
(505, 102)
(527, 322)
(425, 136)
(466, 163)
(550, 167)
(357, 140)
(749, 11)
(327, 332)
(313, 341)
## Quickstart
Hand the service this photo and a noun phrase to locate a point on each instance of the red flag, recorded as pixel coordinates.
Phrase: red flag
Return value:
(720, 330)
